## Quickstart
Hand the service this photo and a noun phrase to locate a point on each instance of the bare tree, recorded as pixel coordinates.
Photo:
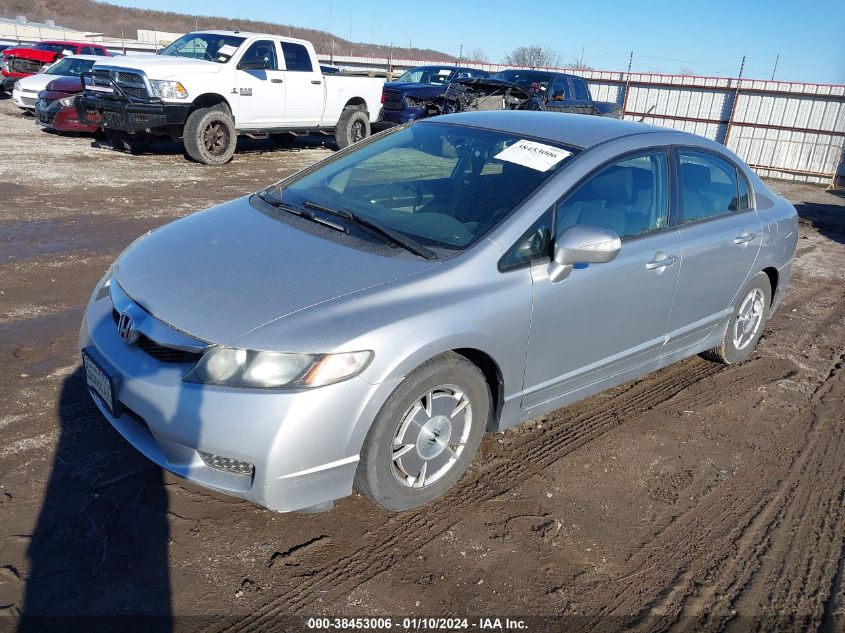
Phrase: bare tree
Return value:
(685, 71)
(478, 55)
(532, 56)
(578, 64)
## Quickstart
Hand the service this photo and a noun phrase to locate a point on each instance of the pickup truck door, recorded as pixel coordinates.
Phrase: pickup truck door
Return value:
(305, 87)
(260, 86)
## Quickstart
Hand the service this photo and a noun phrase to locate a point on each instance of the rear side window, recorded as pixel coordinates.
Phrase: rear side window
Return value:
(297, 58)
(630, 197)
(579, 88)
(710, 187)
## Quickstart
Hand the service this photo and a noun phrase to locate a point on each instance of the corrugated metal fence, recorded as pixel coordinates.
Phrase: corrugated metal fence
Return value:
(785, 130)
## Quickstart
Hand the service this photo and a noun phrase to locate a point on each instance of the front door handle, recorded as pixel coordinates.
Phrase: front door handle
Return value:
(661, 263)
(743, 237)
(316, 81)
(277, 81)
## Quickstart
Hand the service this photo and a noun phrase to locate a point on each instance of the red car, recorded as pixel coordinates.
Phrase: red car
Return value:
(23, 61)
(54, 107)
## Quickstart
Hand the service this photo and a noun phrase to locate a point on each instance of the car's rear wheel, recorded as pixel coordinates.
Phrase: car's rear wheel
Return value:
(210, 136)
(352, 126)
(747, 323)
(425, 435)
(125, 142)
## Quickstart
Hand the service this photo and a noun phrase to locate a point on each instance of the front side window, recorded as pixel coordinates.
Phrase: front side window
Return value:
(208, 46)
(263, 53)
(532, 80)
(560, 89)
(630, 197)
(297, 58)
(709, 186)
(444, 185)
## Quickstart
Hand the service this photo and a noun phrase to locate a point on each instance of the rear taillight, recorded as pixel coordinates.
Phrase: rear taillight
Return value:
(382, 96)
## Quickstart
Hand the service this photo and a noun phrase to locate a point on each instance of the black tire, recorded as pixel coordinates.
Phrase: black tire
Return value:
(135, 143)
(378, 471)
(352, 126)
(210, 136)
(728, 351)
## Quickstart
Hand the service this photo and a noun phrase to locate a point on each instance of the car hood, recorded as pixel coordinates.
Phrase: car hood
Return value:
(163, 66)
(36, 82)
(418, 90)
(30, 53)
(66, 84)
(222, 272)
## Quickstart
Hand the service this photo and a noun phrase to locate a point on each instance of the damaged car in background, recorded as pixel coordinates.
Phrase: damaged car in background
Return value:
(476, 94)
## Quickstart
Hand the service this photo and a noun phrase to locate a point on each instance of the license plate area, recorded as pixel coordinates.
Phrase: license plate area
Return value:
(101, 379)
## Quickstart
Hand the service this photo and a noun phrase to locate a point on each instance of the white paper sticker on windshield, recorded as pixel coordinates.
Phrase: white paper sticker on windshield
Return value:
(534, 155)
(227, 49)
(444, 71)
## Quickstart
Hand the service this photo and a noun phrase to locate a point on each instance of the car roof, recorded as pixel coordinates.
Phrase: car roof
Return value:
(249, 34)
(71, 43)
(95, 58)
(575, 130)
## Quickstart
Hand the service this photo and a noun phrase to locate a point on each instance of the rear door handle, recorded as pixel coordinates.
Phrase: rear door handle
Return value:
(661, 263)
(316, 81)
(277, 81)
(743, 237)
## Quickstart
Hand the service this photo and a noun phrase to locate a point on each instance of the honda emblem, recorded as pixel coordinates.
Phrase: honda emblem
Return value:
(125, 329)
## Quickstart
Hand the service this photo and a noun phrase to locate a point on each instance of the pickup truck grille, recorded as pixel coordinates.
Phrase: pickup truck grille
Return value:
(129, 82)
(393, 100)
(18, 65)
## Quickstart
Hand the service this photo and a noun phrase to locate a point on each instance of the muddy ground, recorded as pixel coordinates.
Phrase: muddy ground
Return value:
(701, 496)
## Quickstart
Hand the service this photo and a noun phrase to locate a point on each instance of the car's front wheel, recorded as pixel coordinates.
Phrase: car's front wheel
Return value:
(425, 435)
(210, 136)
(747, 323)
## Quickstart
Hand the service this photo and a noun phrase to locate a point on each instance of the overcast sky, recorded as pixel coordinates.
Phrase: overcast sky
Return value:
(707, 38)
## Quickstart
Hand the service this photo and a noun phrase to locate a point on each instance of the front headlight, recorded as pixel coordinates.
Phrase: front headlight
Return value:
(247, 368)
(103, 287)
(66, 102)
(168, 89)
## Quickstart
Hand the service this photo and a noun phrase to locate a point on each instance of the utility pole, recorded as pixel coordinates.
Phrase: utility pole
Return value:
(777, 58)
(461, 54)
(733, 105)
(627, 84)
(581, 61)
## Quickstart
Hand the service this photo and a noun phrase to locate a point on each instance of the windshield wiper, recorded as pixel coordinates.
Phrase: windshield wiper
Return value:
(308, 215)
(397, 238)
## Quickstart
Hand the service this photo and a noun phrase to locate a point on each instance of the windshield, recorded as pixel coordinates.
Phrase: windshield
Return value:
(443, 185)
(69, 66)
(433, 76)
(55, 48)
(532, 80)
(208, 46)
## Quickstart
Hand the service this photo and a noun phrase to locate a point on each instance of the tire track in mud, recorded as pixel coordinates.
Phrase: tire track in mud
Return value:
(569, 430)
(746, 548)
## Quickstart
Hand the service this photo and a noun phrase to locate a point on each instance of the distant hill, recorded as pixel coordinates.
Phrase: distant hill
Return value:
(102, 17)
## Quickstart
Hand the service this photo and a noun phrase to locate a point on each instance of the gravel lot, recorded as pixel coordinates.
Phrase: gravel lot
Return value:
(699, 497)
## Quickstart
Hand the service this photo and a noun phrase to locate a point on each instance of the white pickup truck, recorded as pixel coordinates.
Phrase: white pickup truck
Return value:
(208, 87)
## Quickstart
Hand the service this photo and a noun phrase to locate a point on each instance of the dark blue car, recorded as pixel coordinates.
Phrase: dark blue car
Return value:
(405, 99)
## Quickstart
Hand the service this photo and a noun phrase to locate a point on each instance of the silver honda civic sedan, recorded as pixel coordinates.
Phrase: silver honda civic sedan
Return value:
(364, 322)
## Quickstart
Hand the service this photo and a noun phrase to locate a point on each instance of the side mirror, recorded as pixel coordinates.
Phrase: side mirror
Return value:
(253, 64)
(583, 244)
(558, 96)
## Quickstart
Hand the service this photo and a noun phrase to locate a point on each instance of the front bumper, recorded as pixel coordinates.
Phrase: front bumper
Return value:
(304, 445)
(129, 116)
(52, 115)
(8, 82)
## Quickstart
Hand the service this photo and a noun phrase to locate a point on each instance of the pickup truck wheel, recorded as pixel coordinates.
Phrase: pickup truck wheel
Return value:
(124, 142)
(425, 435)
(352, 126)
(746, 325)
(210, 136)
